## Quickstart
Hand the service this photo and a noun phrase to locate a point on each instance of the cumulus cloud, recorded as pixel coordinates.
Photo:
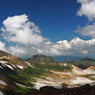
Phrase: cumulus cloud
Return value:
(88, 30)
(20, 30)
(76, 46)
(87, 8)
(23, 36)
(23, 39)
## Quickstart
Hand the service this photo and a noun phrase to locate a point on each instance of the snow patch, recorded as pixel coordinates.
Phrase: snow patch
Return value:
(21, 85)
(89, 71)
(10, 67)
(5, 65)
(1, 67)
(29, 64)
(19, 66)
(47, 82)
(77, 71)
(13, 65)
(2, 83)
(80, 80)
(83, 72)
(1, 93)
(3, 62)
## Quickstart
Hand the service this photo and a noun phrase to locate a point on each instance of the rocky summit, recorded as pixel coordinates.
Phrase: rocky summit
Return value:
(42, 75)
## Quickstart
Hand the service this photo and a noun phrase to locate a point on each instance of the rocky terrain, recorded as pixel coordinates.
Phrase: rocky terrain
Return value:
(18, 77)
(49, 90)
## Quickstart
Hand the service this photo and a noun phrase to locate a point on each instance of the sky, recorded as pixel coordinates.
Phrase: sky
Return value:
(50, 27)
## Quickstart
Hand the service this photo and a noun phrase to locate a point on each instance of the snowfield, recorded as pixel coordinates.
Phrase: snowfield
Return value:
(47, 82)
(74, 79)
(81, 80)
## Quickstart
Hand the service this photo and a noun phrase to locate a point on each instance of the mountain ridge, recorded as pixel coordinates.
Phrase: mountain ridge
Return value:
(88, 59)
(65, 58)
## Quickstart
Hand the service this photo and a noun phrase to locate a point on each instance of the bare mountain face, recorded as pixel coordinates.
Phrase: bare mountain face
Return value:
(18, 76)
(42, 58)
(10, 69)
(11, 60)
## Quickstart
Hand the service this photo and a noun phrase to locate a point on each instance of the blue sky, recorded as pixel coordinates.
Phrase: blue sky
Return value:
(57, 21)
(52, 16)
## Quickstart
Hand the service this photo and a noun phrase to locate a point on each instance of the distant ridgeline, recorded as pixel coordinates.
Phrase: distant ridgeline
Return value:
(83, 63)
(65, 58)
(88, 59)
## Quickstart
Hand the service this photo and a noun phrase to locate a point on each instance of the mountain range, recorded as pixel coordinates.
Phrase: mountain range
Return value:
(65, 58)
(19, 77)
(88, 59)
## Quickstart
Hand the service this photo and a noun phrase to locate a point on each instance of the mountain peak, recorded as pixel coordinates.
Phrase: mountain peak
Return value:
(88, 59)
(42, 58)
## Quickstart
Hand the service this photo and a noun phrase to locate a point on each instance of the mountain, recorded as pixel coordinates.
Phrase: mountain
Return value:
(26, 77)
(11, 75)
(88, 59)
(19, 76)
(83, 63)
(65, 58)
(11, 60)
(42, 58)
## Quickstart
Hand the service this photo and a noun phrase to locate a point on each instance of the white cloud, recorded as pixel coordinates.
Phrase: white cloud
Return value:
(2, 46)
(63, 45)
(87, 8)
(88, 30)
(20, 30)
(24, 39)
(80, 44)
(76, 46)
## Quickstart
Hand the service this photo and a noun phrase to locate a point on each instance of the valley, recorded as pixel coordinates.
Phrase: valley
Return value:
(19, 76)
